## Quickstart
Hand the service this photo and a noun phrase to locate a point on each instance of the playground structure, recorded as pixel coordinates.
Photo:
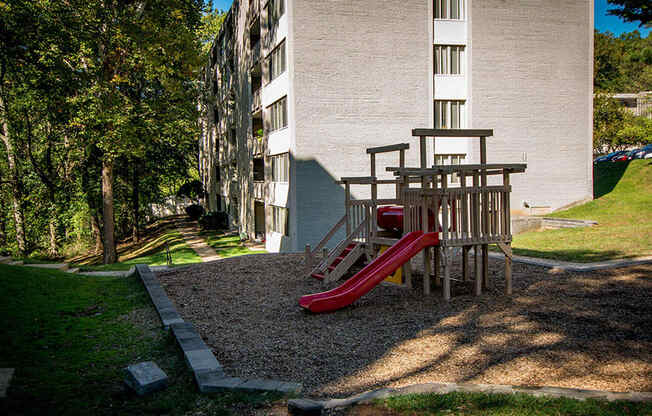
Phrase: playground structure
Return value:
(428, 214)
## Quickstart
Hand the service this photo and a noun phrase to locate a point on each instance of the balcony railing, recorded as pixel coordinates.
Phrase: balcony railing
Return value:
(259, 190)
(256, 101)
(255, 53)
(258, 145)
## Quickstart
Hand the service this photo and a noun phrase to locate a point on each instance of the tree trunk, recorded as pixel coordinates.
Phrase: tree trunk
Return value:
(97, 233)
(135, 231)
(52, 251)
(110, 255)
(16, 194)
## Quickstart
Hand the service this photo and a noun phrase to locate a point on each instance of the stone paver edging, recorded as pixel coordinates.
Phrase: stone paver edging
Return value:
(5, 379)
(208, 372)
(574, 266)
(307, 406)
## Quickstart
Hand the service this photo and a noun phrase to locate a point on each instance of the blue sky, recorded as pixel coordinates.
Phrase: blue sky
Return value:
(602, 21)
(614, 24)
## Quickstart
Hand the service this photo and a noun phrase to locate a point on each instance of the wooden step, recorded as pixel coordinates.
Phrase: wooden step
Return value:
(318, 276)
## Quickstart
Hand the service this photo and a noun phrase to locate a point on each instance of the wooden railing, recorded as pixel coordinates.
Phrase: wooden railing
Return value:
(359, 234)
(463, 216)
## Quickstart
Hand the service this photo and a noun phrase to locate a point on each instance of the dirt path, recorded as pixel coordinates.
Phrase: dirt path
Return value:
(189, 230)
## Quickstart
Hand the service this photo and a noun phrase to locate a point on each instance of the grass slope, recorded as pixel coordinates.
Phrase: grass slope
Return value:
(69, 339)
(228, 245)
(471, 404)
(151, 250)
(623, 210)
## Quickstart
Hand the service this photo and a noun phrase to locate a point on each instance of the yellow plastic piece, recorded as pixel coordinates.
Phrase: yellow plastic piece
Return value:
(397, 277)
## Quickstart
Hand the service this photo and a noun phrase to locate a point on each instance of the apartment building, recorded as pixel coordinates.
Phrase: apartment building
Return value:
(296, 90)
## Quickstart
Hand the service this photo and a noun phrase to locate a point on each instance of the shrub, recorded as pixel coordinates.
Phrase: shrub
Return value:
(194, 211)
(215, 220)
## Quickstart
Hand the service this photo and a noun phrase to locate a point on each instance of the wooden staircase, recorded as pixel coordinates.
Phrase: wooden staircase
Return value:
(334, 270)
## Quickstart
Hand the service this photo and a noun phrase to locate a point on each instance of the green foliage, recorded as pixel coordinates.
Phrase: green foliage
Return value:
(90, 82)
(211, 22)
(615, 127)
(457, 403)
(623, 63)
(622, 209)
(192, 190)
(632, 11)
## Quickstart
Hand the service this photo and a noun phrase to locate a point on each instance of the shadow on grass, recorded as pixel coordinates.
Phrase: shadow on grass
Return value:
(574, 255)
(606, 176)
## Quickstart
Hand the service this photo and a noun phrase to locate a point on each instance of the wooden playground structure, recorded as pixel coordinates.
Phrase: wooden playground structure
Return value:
(467, 213)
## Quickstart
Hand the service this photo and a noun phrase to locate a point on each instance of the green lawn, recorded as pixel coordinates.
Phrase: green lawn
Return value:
(227, 245)
(70, 337)
(153, 253)
(623, 210)
(472, 404)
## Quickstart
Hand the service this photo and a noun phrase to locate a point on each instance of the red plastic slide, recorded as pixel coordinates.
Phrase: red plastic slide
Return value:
(369, 277)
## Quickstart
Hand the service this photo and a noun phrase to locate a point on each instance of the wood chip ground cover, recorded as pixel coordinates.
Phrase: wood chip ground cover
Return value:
(581, 330)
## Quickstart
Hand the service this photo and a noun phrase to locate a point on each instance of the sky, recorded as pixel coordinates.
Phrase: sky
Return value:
(603, 22)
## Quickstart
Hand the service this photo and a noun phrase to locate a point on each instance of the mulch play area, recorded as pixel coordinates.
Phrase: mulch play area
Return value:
(582, 330)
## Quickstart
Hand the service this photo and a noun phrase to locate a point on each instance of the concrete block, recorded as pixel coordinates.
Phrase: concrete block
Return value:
(305, 407)
(214, 382)
(192, 344)
(289, 388)
(145, 378)
(183, 330)
(6, 375)
(202, 360)
(259, 385)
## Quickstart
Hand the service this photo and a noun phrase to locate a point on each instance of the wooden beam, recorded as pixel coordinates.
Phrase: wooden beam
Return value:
(390, 148)
(452, 132)
(512, 167)
(357, 180)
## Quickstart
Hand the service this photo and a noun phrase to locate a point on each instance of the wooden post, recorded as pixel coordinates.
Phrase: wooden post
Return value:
(347, 206)
(485, 210)
(465, 263)
(426, 270)
(508, 231)
(508, 272)
(447, 274)
(308, 259)
(476, 235)
(422, 150)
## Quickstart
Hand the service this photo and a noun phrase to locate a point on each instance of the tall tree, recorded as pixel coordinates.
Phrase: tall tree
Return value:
(632, 11)
(141, 57)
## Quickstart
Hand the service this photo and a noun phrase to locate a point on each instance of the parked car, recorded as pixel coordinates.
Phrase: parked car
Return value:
(610, 156)
(621, 158)
(644, 152)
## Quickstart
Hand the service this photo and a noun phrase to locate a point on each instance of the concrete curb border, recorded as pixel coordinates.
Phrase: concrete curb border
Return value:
(307, 406)
(208, 372)
(576, 267)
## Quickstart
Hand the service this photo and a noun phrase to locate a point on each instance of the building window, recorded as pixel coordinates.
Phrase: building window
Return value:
(449, 59)
(280, 220)
(449, 114)
(451, 159)
(448, 9)
(276, 61)
(278, 113)
(275, 9)
(259, 169)
(281, 167)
